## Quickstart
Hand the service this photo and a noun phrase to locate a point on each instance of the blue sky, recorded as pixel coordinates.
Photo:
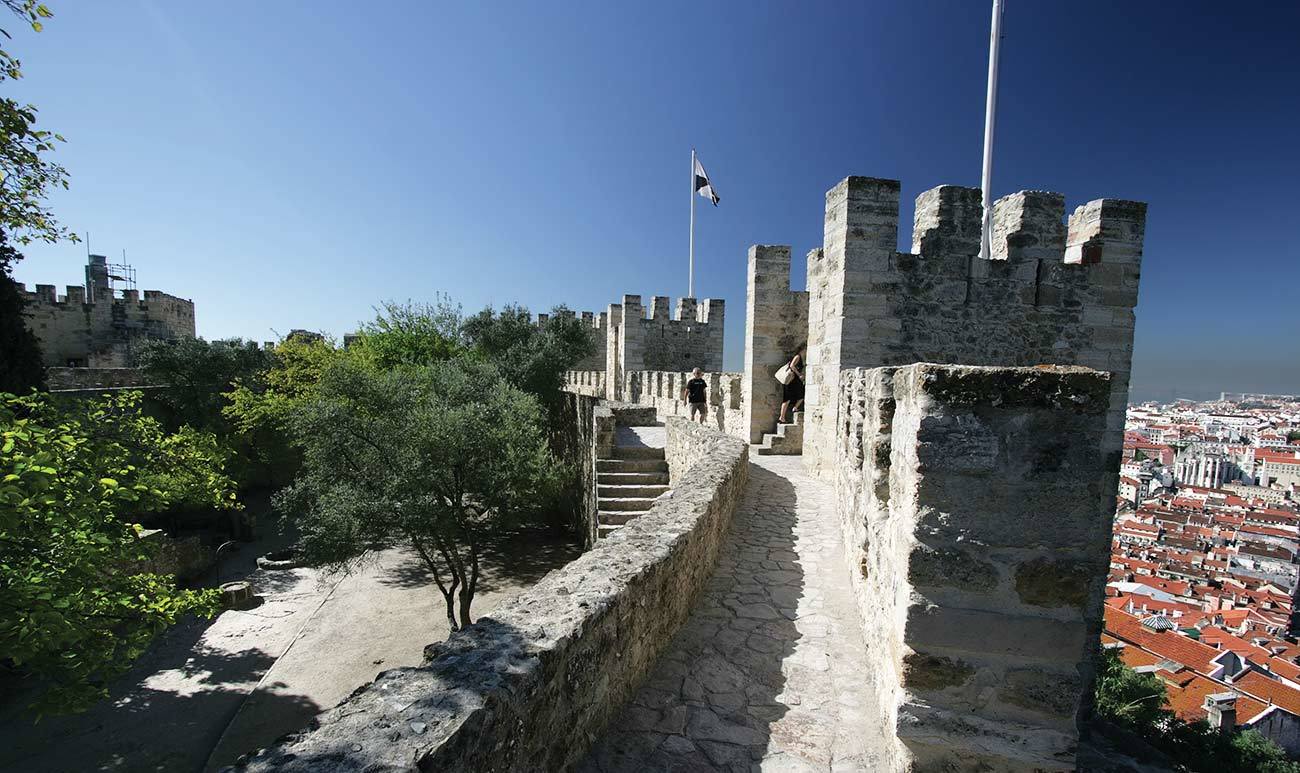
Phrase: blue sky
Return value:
(291, 164)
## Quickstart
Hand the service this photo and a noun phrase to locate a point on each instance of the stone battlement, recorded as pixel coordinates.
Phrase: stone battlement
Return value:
(75, 329)
(690, 338)
(1052, 292)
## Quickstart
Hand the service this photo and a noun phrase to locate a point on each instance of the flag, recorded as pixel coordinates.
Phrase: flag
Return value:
(702, 184)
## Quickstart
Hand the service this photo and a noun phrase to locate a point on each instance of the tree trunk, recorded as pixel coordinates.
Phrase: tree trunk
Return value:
(451, 609)
(466, 598)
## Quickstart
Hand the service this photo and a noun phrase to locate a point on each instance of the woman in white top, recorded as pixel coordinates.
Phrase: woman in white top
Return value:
(792, 393)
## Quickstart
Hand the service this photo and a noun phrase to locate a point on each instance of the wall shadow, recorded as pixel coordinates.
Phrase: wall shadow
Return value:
(166, 714)
(712, 700)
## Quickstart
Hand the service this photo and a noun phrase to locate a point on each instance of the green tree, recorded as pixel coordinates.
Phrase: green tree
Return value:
(76, 606)
(1137, 701)
(266, 403)
(439, 457)
(532, 357)
(199, 373)
(411, 334)
(28, 173)
(21, 368)
(1293, 436)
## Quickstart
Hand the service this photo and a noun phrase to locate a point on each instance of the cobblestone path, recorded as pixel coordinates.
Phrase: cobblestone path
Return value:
(766, 675)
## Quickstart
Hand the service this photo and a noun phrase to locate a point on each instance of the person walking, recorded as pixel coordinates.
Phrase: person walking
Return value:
(696, 394)
(793, 390)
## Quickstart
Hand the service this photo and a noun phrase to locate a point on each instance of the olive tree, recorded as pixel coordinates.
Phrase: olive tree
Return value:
(437, 457)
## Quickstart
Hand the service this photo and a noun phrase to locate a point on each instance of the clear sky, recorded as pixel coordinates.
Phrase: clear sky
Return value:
(290, 164)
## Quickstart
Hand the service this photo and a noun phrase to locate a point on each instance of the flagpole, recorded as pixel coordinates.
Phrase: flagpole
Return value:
(690, 276)
(990, 119)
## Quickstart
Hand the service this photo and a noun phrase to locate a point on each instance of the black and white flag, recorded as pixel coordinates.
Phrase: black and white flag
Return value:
(702, 184)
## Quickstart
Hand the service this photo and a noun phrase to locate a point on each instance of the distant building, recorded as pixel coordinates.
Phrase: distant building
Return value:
(96, 325)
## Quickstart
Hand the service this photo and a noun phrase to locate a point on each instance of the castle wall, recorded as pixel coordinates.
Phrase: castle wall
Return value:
(776, 325)
(972, 502)
(662, 391)
(691, 337)
(1049, 294)
(73, 331)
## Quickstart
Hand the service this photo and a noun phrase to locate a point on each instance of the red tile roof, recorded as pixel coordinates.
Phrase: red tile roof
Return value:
(1169, 645)
(1269, 691)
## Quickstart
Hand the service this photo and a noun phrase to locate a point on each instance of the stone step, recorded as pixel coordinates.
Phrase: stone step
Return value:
(632, 479)
(631, 465)
(605, 491)
(603, 531)
(637, 504)
(638, 452)
(615, 517)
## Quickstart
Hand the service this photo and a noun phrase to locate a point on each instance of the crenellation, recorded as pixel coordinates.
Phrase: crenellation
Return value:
(84, 330)
(686, 310)
(659, 308)
(871, 305)
(1106, 231)
(948, 221)
(1027, 226)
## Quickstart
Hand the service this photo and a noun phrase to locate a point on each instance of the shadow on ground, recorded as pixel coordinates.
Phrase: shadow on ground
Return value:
(510, 559)
(712, 700)
(146, 724)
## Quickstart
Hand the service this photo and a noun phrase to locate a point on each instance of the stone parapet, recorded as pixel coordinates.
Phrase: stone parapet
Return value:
(79, 379)
(977, 521)
(661, 391)
(531, 686)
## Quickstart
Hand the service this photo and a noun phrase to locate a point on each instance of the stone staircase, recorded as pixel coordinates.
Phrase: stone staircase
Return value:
(787, 440)
(628, 484)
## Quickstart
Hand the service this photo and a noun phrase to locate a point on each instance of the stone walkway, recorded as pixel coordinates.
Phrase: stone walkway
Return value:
(766, 675)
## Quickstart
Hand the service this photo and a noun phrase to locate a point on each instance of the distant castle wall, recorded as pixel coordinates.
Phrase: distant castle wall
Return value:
(690, 338)
(95, 329)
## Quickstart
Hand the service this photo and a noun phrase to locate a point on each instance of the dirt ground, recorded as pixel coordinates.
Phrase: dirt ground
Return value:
(210, 690)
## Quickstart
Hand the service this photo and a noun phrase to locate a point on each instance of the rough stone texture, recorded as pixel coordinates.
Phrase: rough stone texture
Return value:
(585, 425)
(776, 325)
(661, 393)
(530, 687)
(74, 331)
(1045, 297)
(76, 379)
(767, 672)
(691, 338)
(971, 500)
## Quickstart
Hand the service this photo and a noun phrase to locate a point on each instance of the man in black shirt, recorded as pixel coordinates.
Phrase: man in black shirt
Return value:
(696, 393)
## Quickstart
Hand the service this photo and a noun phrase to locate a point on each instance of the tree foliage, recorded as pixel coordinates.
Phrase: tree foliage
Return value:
(268, 401)
(198, 373)
(76, 606)
(411, 334)
(1139, 702)
(532, 357)
(28, 173)
(21, 367)
(439, 457)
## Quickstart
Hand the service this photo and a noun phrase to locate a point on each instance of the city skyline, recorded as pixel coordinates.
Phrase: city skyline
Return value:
(522, 161)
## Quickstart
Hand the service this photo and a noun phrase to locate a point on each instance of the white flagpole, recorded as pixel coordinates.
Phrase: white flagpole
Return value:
(690, 280)
(990, 118)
